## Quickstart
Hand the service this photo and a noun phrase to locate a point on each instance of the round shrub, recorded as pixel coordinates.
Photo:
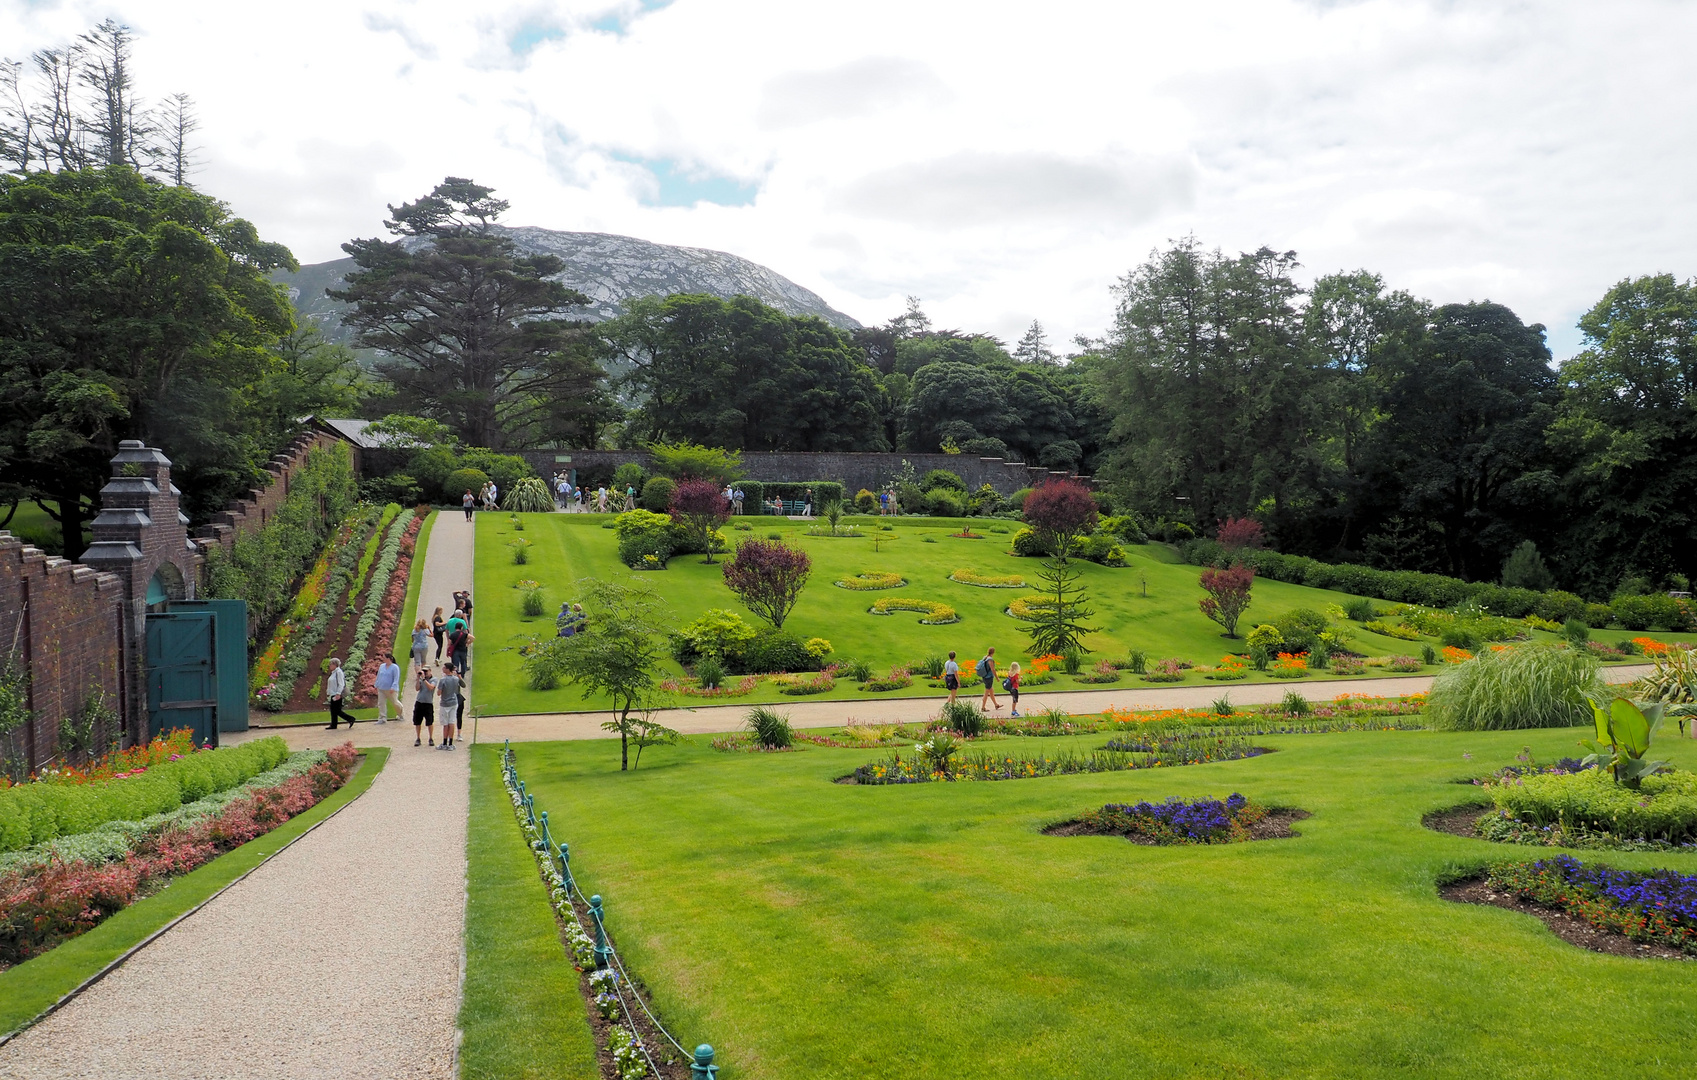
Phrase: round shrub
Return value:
(942, 479)
(1558, 606)
(1028, 544)
(1526, 686)
(943, 502)
(460, 481)
(657, 495)
(774, 650)
(1016, 501)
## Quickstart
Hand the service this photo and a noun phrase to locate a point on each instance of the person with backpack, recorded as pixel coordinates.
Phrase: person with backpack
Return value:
(987, 671)
(1011, 685)
(459, 649)
(951, 676)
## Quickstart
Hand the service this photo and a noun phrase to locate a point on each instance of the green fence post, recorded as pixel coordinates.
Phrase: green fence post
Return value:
(547, 838)
(702, 1068)
(566, 868)
(601, 949)
(530, 807)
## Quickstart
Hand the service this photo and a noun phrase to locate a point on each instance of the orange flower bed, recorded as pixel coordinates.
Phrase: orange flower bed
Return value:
(1651, 646)
(1454, 655)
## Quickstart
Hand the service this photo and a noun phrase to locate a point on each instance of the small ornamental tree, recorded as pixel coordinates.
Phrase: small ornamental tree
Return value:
(699, 506)
(1238, 533)
(1228, 594)
(1056, 624)
(1060, 512)
(768, 576)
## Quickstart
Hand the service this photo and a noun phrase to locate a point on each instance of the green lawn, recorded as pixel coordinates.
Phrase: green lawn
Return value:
(1165, 622)
(33, 986)
(806, 928)
(409, 614)
(521, 1014)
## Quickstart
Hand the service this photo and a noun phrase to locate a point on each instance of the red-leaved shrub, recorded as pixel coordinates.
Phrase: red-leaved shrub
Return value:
(1238, 533)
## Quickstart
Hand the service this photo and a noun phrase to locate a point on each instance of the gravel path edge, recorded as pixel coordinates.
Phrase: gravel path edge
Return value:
(375, 759)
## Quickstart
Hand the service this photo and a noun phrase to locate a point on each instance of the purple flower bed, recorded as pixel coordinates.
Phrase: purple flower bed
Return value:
(1660, 906)
(1179, 821)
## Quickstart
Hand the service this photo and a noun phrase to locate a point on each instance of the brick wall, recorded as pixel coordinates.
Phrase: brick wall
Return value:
(252, 510)
(64, 623)
(853, 471)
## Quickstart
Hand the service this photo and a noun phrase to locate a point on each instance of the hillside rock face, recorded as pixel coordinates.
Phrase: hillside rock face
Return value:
(608, 269)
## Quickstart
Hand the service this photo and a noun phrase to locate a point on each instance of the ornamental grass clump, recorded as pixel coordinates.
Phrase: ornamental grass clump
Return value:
(1527, 686)
(770, 728)
(964, 717)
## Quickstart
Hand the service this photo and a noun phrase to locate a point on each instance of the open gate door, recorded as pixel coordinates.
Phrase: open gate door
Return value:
(182, 683)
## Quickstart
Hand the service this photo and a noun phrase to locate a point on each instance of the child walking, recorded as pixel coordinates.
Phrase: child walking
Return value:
(1011, 684)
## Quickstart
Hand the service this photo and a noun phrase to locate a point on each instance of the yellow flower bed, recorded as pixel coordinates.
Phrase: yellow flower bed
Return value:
(872, 582)
(935, 614)
(1027, 606)
(988, 581)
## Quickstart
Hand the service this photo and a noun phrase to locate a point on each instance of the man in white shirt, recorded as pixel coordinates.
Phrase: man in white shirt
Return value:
(334, 687)
(388, 688)
(494, 496)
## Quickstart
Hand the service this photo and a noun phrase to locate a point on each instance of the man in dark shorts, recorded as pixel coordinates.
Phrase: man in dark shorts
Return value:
(424, 708)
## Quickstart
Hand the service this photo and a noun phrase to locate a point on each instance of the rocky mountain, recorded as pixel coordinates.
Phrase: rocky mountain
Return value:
(608, 269)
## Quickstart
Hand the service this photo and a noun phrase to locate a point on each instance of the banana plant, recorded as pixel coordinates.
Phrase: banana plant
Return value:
(1624, 732)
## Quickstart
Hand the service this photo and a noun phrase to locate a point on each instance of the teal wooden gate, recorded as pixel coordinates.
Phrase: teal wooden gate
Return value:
(229, 657)
(182, 677)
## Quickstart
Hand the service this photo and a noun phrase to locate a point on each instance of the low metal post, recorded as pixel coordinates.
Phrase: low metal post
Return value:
(602, 952)
(530, 807)
(547, 838)
(702, 1068)
(566, 867)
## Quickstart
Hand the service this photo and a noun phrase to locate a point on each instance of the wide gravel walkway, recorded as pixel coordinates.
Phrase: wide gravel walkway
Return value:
(341, 957)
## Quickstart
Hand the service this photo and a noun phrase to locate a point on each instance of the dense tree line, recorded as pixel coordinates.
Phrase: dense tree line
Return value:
(1364, 424)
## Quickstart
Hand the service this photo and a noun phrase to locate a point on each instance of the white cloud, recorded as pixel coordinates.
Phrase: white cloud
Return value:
(1004, 161)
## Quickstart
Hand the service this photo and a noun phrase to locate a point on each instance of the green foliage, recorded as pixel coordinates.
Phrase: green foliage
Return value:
(657, 494)
(643, 533)
(770, 728)
(1625, 730)
(1099, 548)
(865, 501)
(709, 672)
(629, 475)
(263, 565)
(619, 657)
(534, 603)
(1124, 527)
(14, 696)
(944, 502)
(460, 481)
(943, 479)
(1525, 569)
(1658, 612)
(1526, 686)
(1294, 704)
(35, 813)
(1576, 631)
(718, 633)
(1360, 611)
(693, 461)
(1658, 808)
(773, 650)
(1265, 637)
(1028, 544)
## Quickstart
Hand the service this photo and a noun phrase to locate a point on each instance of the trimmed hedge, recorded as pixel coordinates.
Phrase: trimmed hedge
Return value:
(1662, 808)
(1442, 591)
(37, 812)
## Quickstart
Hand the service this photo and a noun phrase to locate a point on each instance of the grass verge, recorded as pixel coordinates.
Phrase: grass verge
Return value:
(30, 988)
(812, 929)
(415, 578)
(522, 1014)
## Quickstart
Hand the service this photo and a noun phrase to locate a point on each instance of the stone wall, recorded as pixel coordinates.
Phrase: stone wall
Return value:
(64, 624)
(853, 471)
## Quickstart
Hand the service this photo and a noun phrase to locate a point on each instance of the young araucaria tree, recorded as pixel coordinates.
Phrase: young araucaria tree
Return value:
(1055, 623)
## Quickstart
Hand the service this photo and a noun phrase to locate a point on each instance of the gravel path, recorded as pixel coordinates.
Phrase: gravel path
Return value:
(341, 957)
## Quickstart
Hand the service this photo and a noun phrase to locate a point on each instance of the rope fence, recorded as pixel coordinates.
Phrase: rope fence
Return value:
(632, 1057)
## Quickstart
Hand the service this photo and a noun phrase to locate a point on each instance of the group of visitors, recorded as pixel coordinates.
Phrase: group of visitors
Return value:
(887, 504)
(579, 499)
(986, 672)
(487, 498)
(571, 620)
(438, 696)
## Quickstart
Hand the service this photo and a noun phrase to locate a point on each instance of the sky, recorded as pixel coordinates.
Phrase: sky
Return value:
(1004, 162)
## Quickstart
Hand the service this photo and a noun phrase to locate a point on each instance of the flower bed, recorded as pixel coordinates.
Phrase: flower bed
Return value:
(43, 905)
(1231, 820)
(805, 685)
(1165, 671)
(385, 617)
(310, 629)
(1231, 669)
(631, 1037)
(1662, 808)
(872, 582)
(1289, 666)
(1658, 907)
(988, 581)
(1103, 672)
(56, 806)
(693, 688)
(899, 678)
(1181, 749)
(932, 612)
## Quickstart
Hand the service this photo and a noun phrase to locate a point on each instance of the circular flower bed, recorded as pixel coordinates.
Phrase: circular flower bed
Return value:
(872, 582)
(988, 581)
(1231, 820)
(932, 613)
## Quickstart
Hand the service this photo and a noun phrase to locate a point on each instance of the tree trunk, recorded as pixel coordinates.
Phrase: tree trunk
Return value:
(624, 740)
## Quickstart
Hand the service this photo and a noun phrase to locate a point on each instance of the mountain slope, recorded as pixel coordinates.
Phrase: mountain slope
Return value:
(608, 269)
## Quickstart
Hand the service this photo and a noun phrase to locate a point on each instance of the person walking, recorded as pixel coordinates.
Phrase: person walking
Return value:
(987, 672)
(424, 707)
(465, 606)
(467, 503)
(334, 687)
(448, 704)
(1011, 685)
(951, 676)
(389, 686)
(630, 498)
(438, 630)
(807, 507)
(459, 649)
(420, 644)
(494, 496)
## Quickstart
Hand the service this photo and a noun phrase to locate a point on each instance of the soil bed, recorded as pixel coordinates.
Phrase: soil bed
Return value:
(1275, 826)
(1571, 930)
(1460, 821)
